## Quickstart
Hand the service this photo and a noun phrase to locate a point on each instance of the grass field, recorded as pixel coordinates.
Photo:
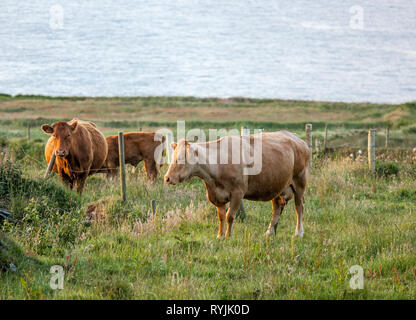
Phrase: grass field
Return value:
(351, 217)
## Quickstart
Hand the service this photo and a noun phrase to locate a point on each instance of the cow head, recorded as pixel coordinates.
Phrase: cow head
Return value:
(62, 133)
(185, 159)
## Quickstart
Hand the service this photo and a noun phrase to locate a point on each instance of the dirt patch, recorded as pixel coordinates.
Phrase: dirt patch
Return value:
(96, 211)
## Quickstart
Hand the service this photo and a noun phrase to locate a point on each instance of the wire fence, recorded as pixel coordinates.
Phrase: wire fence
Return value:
(8, 154)
(335, 140)
(320, 142)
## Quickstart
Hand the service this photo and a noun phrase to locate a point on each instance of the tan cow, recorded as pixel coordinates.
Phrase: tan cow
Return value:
(80, 149)
(285, 162)
(138, 146)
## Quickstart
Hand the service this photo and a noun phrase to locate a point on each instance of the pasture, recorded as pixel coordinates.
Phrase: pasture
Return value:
(352, 217)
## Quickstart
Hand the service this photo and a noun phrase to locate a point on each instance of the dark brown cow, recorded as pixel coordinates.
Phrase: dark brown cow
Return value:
(138, 146)
(80, 150)
(284, 165)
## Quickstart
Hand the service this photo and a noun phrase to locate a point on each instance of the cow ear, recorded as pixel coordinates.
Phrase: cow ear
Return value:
(47, 128)
(74, 125)
(173, 145)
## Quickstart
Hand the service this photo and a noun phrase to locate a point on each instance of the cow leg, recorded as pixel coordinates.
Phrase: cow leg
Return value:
(151, 170)
(108, 174)
(80, 186)
(112, 169)
(221, 218)
(232, 210)
(299, 186)
(67, 181)
(278, 204)
(81, 182)
(71, 184)
(112, 174)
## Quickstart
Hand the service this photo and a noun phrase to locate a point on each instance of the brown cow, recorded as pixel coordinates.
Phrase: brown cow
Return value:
(80, 150)
(138, 146)
(284, 165)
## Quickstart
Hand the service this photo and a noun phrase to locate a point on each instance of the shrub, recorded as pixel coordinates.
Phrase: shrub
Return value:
(387, 169)
(410, 129)
(47, 215)
(23, 149)
(3, 142)
(16, 189)
(4, 259)
(49, 228)
(405, 194)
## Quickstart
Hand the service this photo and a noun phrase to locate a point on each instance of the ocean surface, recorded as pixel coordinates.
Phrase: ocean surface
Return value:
(299, 49)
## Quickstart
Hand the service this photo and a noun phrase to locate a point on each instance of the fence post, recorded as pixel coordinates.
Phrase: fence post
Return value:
(372, 150)
(387, 136)
(28, 130)
(317, 145)
(308, 131)
(50, 164)
(325, 137)
(122, 165)
(153, 204)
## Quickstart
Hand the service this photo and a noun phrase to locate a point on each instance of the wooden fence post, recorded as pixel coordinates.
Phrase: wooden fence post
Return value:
(325, 137)
(153, 204)
(387, 136)
(122, 165)
(308, 131)
(50, 165)
(317, 145)
(372, 150)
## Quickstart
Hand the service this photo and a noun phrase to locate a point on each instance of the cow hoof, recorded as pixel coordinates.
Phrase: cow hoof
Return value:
(299, 234)
(269, 233)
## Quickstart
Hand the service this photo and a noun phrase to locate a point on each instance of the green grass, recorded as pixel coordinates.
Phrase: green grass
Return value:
(351, 218)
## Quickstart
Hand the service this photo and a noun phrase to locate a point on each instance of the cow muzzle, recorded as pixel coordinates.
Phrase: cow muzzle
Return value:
(169, 180)
(61, 153)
